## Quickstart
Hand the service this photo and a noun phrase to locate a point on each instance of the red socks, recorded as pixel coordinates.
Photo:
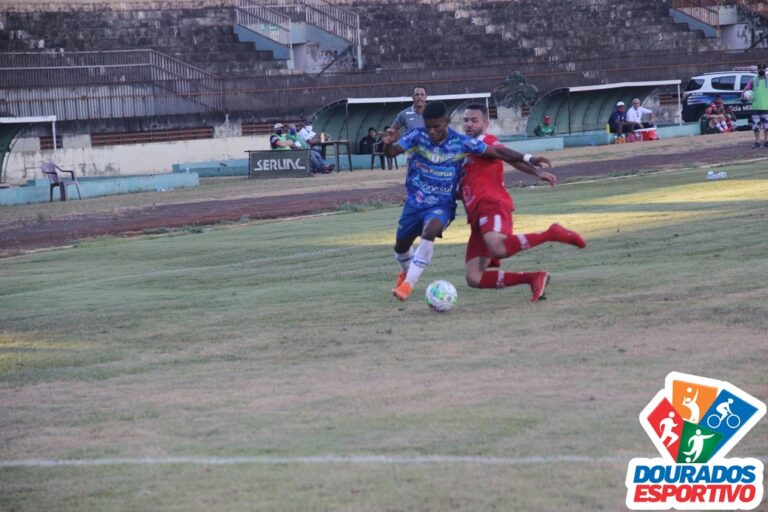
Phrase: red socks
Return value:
(514, 246)
(501, 279)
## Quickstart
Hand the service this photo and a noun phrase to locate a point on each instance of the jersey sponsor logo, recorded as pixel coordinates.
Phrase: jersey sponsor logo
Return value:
(432, 188)
(694, 422)
(436, 173)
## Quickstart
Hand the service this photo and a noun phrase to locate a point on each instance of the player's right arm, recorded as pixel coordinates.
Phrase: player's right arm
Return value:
(403, 144)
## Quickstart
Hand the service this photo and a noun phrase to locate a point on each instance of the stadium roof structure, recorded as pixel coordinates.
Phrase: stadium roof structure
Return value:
(586, 108)
(11, 127)
(408, 99)
(350, 118)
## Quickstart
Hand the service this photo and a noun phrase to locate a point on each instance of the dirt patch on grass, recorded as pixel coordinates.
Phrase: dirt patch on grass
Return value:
(300, 197)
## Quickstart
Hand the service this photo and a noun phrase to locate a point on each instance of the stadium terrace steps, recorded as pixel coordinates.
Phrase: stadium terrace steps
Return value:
(475, 30)
(394, 33)
(203, 37)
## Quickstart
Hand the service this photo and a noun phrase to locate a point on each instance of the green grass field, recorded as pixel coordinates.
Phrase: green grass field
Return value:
(281, 340)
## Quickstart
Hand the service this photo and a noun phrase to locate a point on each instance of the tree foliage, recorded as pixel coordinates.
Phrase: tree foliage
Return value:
(515, 91)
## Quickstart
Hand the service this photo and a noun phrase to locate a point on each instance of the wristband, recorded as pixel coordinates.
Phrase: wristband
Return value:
(527, 158)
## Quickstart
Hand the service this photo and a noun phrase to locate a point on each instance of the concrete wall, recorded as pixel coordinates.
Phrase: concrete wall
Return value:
(26, 157)
(39, 191)
(115, 5)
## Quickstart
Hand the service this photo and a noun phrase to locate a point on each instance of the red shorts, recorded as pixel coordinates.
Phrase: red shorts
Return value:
(488, 218)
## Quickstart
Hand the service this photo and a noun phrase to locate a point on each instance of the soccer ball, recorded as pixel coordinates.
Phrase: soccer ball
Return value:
(747, 95)
(441, 295)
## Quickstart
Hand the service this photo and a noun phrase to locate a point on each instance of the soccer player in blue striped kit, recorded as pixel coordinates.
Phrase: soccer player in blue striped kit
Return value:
(434, 169)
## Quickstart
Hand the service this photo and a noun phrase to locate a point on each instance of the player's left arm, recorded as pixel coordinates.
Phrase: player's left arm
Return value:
(533, 171)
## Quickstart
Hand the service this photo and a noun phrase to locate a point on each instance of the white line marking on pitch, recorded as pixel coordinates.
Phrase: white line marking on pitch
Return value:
(320, 459)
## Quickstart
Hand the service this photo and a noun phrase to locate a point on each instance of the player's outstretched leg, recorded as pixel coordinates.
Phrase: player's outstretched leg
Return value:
(513, 244)
(558, 233)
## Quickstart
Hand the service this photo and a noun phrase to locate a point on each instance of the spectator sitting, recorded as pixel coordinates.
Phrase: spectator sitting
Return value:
(293, 136)
(730, 117)
(278, 141)
(635, 115)
(366, 143)
(371, 145)
(727, 112)
(545, 128)
(308, 135)
(618, 123)
(716, 118)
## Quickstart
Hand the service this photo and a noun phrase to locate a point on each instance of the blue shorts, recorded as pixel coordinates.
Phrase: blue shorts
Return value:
(413, 220)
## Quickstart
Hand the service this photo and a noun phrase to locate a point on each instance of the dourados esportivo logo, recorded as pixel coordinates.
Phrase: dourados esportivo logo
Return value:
(694, 422)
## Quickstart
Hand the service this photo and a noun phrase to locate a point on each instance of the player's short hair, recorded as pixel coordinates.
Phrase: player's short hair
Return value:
(478, 106)
(435, 110)
(418, 87)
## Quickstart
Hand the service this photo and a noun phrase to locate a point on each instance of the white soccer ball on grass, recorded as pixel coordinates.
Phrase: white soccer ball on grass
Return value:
(441, 295)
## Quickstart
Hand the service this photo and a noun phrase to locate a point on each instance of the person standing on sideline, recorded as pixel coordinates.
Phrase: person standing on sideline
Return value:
(489, 213)
(434, 169)
(413, 116)
(759, 88)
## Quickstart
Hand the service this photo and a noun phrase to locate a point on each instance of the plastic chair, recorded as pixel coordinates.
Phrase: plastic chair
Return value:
(52, 172)
(377, 150)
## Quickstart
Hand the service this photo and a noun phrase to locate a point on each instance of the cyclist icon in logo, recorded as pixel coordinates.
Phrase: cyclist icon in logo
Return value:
(731, 419)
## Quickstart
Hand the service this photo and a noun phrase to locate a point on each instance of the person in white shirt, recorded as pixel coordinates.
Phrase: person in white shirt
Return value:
(319, 164)
(307, 133)
(635, 115)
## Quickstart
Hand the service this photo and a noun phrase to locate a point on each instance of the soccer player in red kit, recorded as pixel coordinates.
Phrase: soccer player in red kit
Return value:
(489, 212)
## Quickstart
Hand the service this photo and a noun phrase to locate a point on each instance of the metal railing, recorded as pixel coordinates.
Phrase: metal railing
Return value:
(333, 19)
(706, 11)
(104, 85)
(162, 89)
(264, 21)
